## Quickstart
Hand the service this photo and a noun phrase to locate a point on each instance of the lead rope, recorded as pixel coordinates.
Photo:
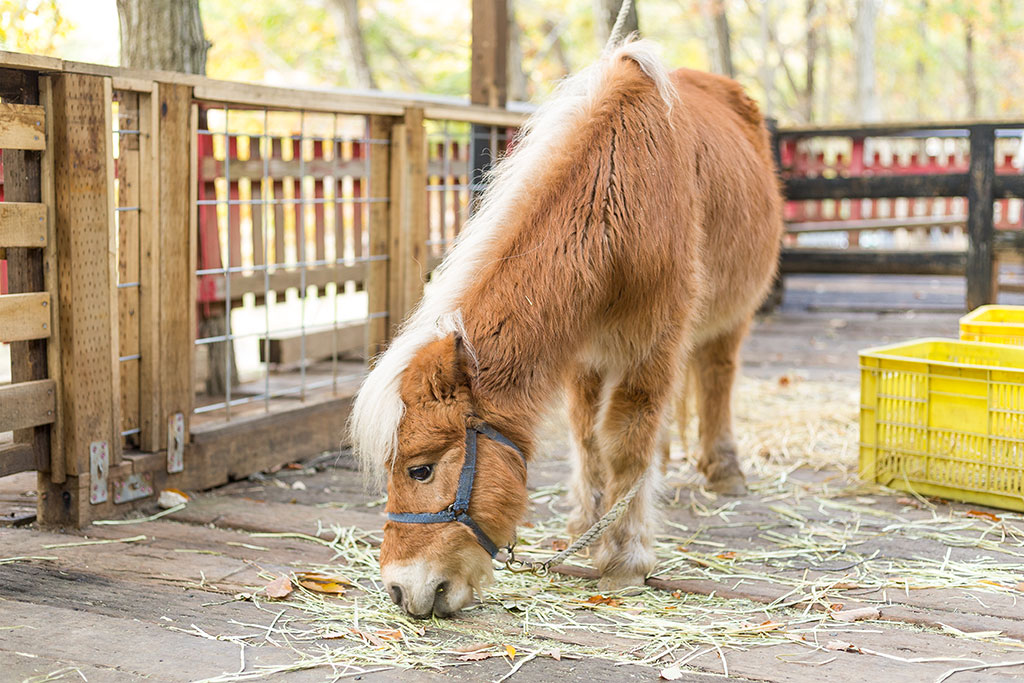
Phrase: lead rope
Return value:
(586, 539)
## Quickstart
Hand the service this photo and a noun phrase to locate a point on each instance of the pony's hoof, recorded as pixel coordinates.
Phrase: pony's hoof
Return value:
(607, 584)
(733, 485)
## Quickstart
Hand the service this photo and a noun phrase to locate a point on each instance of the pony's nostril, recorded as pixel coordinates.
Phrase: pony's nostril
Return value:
(441, 587)
(396, 594)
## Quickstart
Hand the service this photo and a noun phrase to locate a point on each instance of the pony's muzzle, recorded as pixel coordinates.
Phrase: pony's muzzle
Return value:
(421, 594)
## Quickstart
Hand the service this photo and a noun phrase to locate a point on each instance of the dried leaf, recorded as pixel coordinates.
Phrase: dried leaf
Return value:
(385, 634)
(677, 594)
(556, 655)
(369, 638)
(331, 585)
(835, 607)
(280, 587)
(672, 673)
(784, 381)
(171, 498)
(857, 614)
(558, 545)
(477, 656)
(474, 647)
(841, 646)
(1020, 586)
(984, 515)
(727, 555)
(602, 600)
(511, 651)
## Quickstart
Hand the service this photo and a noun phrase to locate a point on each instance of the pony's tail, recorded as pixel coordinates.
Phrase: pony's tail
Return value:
(615, 38)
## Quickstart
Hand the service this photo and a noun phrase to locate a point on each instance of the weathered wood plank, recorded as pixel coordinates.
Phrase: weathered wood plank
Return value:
(129, 259)
(796, 260)
(150, 418)
(22, 224)
(1008, 186)
(25, 317)
(82, 170)
(377, 278)
(27, 404)
(875, 187)
(287, 349)
(176, 253)
(17, 457)
(288, 278)
(22, 126)
(981, 275)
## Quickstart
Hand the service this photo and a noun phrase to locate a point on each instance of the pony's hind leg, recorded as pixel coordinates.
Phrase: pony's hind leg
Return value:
(584, 389)
(630, 432)
(714, 366)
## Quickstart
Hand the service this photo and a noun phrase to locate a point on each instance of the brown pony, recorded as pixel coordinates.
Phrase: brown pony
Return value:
(631, 234)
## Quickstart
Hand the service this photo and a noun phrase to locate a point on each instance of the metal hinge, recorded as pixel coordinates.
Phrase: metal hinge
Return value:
(176, 443)
(99, 466)
(132, 487)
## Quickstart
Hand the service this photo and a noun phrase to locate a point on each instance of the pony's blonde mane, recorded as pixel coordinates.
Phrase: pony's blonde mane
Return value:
(378, 407)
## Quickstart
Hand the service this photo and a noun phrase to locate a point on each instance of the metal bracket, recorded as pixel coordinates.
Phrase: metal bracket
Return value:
(132, 487)
(176, 443)
(99, 466)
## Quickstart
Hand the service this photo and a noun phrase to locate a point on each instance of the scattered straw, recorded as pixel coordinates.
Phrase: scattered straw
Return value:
(132, 539)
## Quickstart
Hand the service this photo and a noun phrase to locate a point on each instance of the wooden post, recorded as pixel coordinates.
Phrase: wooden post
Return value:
(488, 80)
(378, 329)
(981, 272)
(177, 244)
(409, 229)
(129, 262)
(87, 289)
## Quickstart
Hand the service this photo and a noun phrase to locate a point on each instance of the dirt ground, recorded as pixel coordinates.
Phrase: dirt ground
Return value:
(814, 576)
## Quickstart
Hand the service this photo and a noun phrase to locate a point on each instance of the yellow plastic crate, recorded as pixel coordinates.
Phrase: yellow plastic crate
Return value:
(994, 324)
(942, 417)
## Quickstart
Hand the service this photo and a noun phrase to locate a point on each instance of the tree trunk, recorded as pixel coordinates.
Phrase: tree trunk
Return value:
(346, 16)
(165, 35)
(811, 61)
(970, 78)
(517, 80)
(868, 108)
(605, 13)
(719, 43)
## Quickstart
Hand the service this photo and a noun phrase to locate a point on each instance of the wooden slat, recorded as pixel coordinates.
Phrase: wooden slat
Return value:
(377, 329)
(16, 457)
(22, 224)
(129, 259)
(873, 262)
(1008, 186)
(27, 404)
(177, 237)
(252, 168)
(56, 456)
(86, 256)
(22, 126)
(287, 349)
(24, 317)
(876, 187)
(981, 273)
(150, 418)
(280, 280)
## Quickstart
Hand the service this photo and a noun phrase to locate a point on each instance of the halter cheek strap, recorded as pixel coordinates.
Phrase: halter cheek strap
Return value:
(459, 510)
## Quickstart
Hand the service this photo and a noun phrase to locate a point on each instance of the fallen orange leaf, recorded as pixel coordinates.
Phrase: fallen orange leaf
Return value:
(677, 594)
(601, 600)
(559, 545)
(984, 515)
(511, 651)
(323, 584)
(727, 555)
(279, 588)
(389, 635)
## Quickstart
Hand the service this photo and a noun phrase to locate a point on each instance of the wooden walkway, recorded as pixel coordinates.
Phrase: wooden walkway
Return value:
(758, 587)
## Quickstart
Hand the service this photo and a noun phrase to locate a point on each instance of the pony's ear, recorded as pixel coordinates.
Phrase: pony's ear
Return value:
(447, 369)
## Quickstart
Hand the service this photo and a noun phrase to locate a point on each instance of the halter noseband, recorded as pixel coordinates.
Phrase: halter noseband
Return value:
(459, 510)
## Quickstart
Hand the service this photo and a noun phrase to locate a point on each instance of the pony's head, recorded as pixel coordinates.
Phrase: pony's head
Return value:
(445, 517)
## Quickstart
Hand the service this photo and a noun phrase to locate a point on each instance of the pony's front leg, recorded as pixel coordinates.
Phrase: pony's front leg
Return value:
(630, 433)
(585, 490)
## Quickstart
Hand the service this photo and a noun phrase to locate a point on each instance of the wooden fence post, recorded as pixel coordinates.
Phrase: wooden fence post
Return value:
(981, 271)
(409, 228)
(87, 289)
(377, 280)
(177, 245)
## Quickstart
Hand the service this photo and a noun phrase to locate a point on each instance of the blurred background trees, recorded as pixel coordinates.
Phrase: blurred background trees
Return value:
(807, 61)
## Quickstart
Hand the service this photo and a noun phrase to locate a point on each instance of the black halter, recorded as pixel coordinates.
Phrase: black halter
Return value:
(459, 510)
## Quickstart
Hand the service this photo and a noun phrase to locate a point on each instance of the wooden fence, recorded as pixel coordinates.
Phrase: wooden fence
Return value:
(198, 270)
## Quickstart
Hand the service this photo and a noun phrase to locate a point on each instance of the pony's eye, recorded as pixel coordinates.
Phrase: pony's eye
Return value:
(421, 472)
